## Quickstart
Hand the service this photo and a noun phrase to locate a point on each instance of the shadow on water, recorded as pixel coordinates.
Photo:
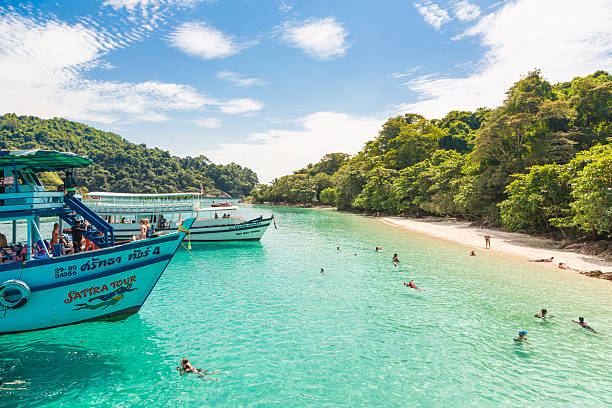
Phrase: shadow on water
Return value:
(50, 370)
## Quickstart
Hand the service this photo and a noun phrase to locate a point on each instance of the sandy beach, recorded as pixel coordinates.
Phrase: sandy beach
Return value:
(515, 244)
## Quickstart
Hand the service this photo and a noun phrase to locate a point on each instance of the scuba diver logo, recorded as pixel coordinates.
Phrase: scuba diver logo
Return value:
(107, 299)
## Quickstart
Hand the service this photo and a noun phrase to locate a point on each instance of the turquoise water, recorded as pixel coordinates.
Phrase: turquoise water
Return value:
(357, 338)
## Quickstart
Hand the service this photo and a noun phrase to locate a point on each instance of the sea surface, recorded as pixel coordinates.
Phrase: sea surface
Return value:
(285, 335)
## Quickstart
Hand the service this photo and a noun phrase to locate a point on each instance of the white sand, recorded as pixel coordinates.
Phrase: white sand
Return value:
(519, 245)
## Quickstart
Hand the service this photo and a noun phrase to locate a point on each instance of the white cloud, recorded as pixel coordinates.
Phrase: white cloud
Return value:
(133, 4)
(466, 11)
(240, 106)
(280, 151)
(42, 72)
(211, 123)
(203, 41)
(564, 38)
(433, 14)
(238, 79)
(322, 39)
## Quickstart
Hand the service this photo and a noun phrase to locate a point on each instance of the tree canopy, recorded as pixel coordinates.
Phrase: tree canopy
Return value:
(539, 162)
(122, 166)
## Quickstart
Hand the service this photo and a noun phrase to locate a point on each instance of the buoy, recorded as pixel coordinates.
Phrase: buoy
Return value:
(14, 294)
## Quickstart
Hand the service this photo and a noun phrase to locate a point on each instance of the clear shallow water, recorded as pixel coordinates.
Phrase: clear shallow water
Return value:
(358, 338)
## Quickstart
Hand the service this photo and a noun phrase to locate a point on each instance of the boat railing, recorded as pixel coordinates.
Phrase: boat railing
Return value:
(31, 200)
(122, 208)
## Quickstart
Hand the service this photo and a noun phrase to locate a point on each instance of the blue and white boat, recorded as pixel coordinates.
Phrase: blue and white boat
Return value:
(42, 288)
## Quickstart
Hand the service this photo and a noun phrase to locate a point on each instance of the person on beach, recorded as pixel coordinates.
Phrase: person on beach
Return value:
(487, 241)
(522, 336)
(543, 314)
(563, 265)
(395, 258)
(472, 253)
(542, 259)
(412, 285)
(583, 324)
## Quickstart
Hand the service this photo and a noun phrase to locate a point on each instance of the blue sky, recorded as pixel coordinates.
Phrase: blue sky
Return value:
(275, 84)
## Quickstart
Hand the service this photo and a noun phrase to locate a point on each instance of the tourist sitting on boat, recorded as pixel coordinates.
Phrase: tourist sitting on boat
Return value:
(57, 237)
(162, 222)
(216, 216)
(3, 241)
(77, 236)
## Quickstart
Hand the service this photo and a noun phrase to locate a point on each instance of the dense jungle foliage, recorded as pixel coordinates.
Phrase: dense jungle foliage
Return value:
(541, 162)
(121, 166)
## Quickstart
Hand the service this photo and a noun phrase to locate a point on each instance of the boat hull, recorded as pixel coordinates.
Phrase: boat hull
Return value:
(203, 231)
(108, 283)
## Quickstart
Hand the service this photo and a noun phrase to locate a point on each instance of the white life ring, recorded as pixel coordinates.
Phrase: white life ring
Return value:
(14, 294)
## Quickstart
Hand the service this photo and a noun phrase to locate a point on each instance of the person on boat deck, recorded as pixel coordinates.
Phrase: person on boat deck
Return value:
(395, 258)
(77, 236)
(3, 241)
(69, 184)
(143, 229)
(583, 324)
(162, 222)
(216, 216)
(57, 237)
(543, 314)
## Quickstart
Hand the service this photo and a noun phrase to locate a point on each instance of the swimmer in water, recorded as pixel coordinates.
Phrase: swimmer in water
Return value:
(395, 258)
(394, 264)
(522, 336)
(412, 285)
(3, 385)
(543, 314)
(337, 248)
(186, 368)
(472, 253)
(583, 324)
(322, 271)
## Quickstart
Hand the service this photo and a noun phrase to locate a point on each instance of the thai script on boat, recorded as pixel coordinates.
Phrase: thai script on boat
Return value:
(139, 254)
(95, 263)
(95, 290)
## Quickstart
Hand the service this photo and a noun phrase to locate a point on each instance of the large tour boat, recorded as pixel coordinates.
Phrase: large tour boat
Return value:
(45, 285)
(166, 211)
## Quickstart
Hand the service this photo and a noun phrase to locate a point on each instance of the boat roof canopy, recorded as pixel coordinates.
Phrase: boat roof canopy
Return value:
(137, 195)
(43, 160)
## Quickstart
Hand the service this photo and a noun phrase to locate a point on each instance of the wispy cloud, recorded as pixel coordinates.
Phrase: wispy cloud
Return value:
(518, 39)
(317, 134)
(237, 79)
(322, 39)
(433, 14)
(203, 41)
(133, 4)
(466, 11)
(406, 73)
(240, 106)
(43, 71)
(211, 122)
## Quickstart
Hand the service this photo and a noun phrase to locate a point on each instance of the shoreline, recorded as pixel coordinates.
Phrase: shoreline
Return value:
(522, 246)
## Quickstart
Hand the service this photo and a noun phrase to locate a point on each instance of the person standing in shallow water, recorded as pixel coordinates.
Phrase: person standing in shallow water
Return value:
(487, 241)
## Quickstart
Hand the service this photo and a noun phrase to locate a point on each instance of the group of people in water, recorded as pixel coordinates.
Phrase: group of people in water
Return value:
(543, 314)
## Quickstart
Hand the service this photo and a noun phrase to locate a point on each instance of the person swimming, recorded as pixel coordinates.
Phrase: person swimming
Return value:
(395, 258)
(322, 271)
(186, 368)
(543, 314)
(583, 324)
(522, 336)
(472, 253)
(412, 285)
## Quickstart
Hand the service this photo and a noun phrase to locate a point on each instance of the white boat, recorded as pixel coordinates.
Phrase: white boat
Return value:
(166, 212)
(42, 287)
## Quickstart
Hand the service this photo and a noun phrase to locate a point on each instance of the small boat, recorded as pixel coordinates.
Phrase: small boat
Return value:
(223, 204)
(166, 212)
(44, 286)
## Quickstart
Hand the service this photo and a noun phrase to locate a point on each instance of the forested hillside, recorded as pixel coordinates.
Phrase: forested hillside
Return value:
(541, 162)
(121, 166)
